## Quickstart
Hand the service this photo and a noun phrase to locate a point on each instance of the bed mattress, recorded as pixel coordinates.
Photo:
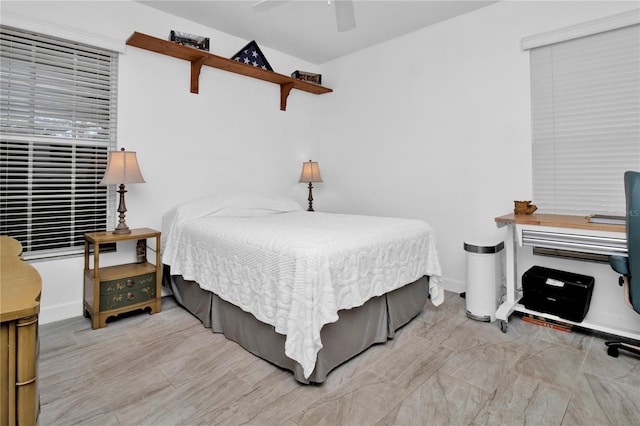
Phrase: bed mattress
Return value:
(293, 269)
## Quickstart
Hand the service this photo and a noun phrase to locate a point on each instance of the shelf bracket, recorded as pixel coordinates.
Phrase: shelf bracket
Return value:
(285, 88)
(196, 66)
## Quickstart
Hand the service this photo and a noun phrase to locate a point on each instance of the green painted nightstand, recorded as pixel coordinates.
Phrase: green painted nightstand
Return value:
(113, 290)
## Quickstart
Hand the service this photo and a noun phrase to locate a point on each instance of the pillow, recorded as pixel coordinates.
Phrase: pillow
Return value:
(232, 204)
(225, 204)
(246, 204)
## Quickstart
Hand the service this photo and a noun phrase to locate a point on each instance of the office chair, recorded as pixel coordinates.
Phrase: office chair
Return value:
(629, 267)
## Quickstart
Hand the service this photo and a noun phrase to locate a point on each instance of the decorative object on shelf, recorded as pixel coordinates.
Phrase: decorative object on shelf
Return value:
(310, 173)
(122, 167)
(191, 40)
(307, 76)
(524, 207)
(252, 55)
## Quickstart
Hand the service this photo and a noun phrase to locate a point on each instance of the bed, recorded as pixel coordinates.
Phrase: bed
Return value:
(304, 290)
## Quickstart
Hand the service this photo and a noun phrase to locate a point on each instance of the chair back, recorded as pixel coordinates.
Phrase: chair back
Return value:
(632, 191)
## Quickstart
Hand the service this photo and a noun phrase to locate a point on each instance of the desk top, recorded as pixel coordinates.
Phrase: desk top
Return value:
(20, 283)
(558, 221)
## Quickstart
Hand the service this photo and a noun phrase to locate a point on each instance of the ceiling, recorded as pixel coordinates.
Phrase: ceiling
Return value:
(306, 29)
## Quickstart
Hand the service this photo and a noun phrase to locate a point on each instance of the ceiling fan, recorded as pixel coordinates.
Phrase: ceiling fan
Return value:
(345, 16)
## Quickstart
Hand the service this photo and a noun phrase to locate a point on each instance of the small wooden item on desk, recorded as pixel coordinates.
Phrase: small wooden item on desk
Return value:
(113, 290)
(524, 207)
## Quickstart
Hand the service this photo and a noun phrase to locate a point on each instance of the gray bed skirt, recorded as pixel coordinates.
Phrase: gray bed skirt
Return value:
(356, 329)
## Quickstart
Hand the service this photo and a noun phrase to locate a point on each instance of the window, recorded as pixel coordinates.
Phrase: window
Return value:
(58, 123)
(585, 107)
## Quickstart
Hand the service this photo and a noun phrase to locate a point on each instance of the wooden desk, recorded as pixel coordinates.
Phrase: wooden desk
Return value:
(562, 232)
(20, 288)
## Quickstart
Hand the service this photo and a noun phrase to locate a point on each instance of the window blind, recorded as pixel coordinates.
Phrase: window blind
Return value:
(58, 123)
(585, 97)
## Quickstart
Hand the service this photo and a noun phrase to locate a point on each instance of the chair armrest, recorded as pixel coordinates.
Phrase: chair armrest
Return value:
(619, 264)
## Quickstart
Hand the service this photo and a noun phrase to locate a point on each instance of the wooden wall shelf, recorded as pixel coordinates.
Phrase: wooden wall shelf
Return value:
(198, 58)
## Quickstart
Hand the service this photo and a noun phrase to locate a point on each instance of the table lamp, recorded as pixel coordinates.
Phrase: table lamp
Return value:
(310, 173)
(122, 167)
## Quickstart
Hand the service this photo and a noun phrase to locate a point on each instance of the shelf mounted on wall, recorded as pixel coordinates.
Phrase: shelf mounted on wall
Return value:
(198, 58)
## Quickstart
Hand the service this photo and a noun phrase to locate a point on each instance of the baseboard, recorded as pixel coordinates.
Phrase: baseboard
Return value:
(455, 286)
(60, 312)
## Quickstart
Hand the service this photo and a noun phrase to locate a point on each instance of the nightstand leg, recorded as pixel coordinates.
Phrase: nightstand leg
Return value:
(95, 321)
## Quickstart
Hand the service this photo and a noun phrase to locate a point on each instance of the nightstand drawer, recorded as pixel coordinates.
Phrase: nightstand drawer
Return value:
(128, 284)
(127, 297)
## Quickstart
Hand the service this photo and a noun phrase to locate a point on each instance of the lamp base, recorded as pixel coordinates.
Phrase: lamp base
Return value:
(310, 198)
(122, 227)
(120, 230)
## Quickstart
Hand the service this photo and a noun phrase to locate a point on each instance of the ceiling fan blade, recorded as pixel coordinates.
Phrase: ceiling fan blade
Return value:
(345, 16)
(264, 5)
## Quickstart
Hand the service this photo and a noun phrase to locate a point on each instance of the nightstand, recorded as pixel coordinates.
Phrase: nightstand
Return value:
(113, 290)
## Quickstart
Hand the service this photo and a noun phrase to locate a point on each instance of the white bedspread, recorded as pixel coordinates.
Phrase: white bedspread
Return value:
(295, 270)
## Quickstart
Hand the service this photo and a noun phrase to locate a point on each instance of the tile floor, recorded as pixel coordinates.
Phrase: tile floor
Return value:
(441, 369)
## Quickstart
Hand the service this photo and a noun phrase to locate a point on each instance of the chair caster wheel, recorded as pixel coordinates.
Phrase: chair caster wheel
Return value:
(503, 326)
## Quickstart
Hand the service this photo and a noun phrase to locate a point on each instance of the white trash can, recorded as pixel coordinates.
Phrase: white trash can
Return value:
(484, 280)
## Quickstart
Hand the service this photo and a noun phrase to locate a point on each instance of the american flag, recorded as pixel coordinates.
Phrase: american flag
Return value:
(252, 55)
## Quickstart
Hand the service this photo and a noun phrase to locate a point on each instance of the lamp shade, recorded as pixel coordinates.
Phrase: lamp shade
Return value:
(122, 167)
(310, 172)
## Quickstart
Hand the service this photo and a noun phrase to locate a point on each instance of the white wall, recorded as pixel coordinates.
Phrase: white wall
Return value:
(230, 136)
(433, 125)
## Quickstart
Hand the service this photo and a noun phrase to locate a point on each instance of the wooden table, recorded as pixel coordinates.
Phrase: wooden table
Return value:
(20, 288)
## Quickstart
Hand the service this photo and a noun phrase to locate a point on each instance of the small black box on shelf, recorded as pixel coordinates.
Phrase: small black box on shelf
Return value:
(307, 76)
(555, 292)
